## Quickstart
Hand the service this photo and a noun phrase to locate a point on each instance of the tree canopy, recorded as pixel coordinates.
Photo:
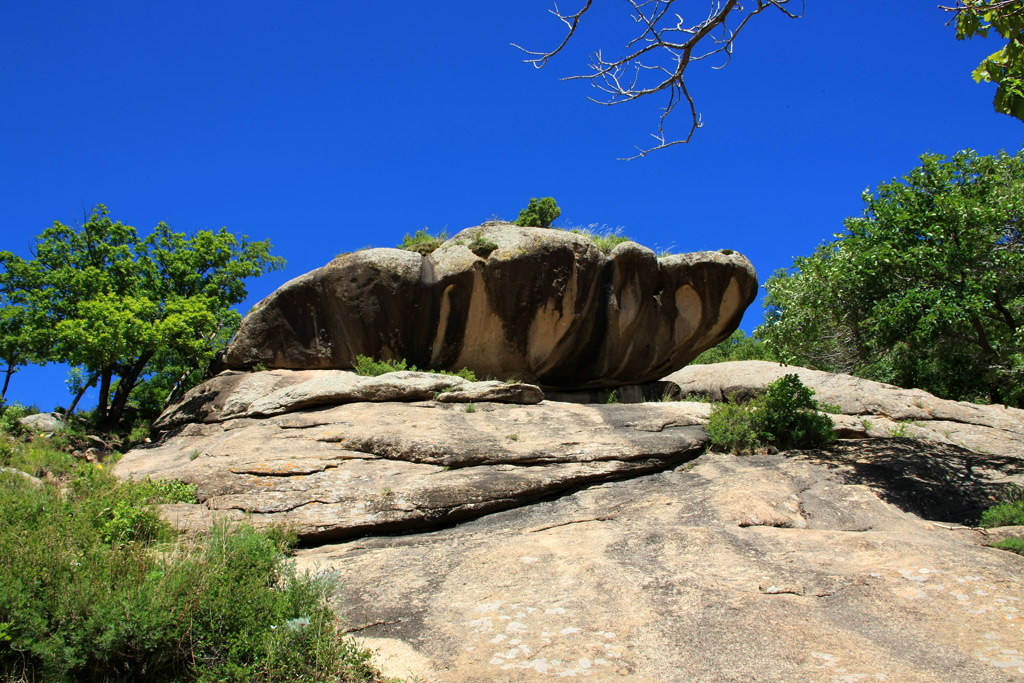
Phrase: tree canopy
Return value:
(1004, 67)
(925, 289)
(121, 308)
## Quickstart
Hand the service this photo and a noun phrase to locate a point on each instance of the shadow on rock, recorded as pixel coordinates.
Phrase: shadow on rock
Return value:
(936, 481)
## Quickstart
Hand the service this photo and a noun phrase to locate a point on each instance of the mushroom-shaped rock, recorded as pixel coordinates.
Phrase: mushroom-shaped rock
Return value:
(540, 305)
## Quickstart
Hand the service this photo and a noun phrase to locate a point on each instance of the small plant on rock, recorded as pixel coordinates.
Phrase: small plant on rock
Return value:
(540, 213)
(730, 428)
(786, 416)
(1014, 545)
(1009, 512)
(422, 242)
(481, 246)
(368, 367)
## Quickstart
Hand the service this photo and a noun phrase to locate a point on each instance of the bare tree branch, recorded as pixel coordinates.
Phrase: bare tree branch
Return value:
(657, 58)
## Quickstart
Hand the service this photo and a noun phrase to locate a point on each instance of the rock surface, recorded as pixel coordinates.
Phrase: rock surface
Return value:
(544, 306)
(42, 422)
(760, 568)
(500, 538)
(364, 467)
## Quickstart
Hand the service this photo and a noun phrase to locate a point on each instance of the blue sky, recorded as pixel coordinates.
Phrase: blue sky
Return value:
(330, 126)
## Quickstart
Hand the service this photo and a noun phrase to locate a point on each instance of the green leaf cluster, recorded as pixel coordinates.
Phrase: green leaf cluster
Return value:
(785, 417)
(540, 213)
(925, 289)
(1004, 67)
(127, 310)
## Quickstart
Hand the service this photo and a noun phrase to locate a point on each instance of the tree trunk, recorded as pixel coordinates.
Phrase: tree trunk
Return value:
(101, 407)
(81, 392)
(7, 379)
(124, 388)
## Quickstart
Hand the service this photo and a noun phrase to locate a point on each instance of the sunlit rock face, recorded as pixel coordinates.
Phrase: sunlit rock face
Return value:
(539, 305)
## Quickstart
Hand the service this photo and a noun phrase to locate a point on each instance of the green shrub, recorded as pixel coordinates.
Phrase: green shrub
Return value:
(1003, 514)
(539, 213)
(481, 246)
(94, 587)
(785, 417)
(730, 428)
(372, 368)
(738, 346)
(1009, 511)
(423, 242)
(1014, 545)
(11, 414)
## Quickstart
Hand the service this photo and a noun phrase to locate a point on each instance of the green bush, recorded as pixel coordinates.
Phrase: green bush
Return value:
(11, 414)
(369, 367)
(1003, 514)
(372, 368)
(481, 246)
(784, 417)
(423, 242)
(539, 213)
(1009, 511)
(1014, 545)
(730, 428)
(94, 587)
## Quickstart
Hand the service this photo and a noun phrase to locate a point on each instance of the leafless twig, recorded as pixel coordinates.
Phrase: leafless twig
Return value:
(657, 58)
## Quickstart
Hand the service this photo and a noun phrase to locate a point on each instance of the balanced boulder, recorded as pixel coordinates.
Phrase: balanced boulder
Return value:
(543, 306)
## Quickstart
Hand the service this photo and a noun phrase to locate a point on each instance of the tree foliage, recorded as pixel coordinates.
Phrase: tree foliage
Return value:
(125, 308)
(540, 213)
(737, 347)
(925, 289)
(1005, 67)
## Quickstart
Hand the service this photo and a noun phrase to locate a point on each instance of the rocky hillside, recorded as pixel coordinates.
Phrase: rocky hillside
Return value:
(487, 532)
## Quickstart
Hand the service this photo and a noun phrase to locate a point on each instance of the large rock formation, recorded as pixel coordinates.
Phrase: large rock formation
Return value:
(544, 306)
(517, 538)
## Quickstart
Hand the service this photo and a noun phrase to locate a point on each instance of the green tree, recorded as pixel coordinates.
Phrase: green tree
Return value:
(737, 347)
(124, 309)
(540, 213)
(1005, 67)
(926, 289)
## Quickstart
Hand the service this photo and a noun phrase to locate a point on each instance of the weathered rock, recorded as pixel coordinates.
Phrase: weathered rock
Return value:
(233, 394)
(375, 467)
(760, 568)
(595, 541)
(499, 392)
(42, 422)
(881, 410)
(544, 306)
